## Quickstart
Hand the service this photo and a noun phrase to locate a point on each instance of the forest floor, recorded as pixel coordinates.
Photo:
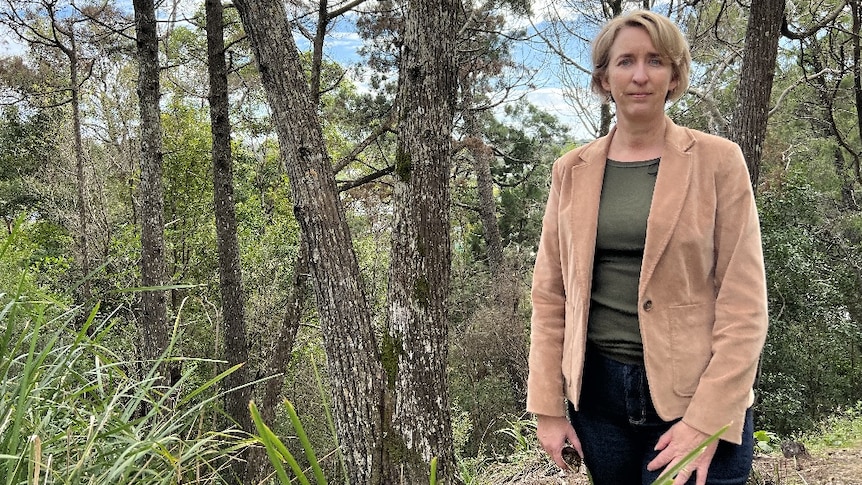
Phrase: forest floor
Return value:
(839, 466)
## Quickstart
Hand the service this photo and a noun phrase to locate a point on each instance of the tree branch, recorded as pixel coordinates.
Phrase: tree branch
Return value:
(786, 32)
(350, 184)
(799, 81)
(343, 10)
(385, 126)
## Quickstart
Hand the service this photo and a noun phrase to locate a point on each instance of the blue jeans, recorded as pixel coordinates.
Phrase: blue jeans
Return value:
(618, 428)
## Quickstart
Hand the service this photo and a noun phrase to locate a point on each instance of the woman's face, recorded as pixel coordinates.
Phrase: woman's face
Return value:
(638, 77)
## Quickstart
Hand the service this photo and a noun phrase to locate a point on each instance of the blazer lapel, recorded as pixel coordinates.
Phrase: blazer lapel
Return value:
(589, 171)
(671, 189)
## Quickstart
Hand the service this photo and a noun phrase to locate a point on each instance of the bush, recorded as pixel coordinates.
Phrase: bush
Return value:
(72, 412)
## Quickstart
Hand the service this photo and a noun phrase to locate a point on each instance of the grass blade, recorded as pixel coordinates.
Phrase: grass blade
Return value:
(275, 449)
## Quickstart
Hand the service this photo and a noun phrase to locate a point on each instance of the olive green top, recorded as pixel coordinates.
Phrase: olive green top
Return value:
(623, 210)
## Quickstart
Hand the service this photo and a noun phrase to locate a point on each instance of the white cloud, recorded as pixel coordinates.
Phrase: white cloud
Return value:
(342, 46)
(555, 101)
(10, 45)
(547, 9)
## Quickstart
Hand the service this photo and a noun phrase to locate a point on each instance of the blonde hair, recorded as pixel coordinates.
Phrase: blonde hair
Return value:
(665, 36)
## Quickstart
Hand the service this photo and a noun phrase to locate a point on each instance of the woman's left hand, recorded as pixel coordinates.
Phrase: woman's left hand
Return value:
(675, 444)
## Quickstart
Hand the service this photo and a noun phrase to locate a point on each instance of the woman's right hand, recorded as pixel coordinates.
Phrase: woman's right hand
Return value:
(554, 432)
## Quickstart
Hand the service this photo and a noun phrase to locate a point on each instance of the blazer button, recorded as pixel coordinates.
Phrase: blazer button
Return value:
(647, 305)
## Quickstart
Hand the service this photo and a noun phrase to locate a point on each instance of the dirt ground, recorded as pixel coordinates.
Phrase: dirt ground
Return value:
(832, 467)
(829, 467)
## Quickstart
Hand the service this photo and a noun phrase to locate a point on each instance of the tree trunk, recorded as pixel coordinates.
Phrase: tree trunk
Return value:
(605, 117)
(61, 27)
(856, 12)
(83, 236)
(482, 157)
(612, 9)
(352, 354)
(417, 335)
(154, 330)
(505, 291)
(230, 269)
(748, 128)
(488, 208)
(826, 125)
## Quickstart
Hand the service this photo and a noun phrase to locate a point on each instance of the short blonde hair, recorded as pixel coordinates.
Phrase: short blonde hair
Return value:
(665, 36)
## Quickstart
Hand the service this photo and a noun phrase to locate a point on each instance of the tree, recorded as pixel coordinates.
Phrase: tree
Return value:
(567, 23)
(154, 330)
(856, 12)
(826, 65)
(485, 68)
(755, 81)
(485, 57)
(414, 346)
(23, 149)
(59, 31)
(417, 335)
(352, 353)
(230, 271)
(814, 276)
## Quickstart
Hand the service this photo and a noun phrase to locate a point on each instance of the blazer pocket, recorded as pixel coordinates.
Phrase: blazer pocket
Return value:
(691, 345)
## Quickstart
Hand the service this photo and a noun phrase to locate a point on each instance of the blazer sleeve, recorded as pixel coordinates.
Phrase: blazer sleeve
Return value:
(545, 385)
(741, 318)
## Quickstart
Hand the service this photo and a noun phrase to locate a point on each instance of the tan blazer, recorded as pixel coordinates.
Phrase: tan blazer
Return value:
(702, 291)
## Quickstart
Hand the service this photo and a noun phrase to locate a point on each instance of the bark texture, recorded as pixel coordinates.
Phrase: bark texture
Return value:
(415, 349)
(154, 331)
(230, 269)
(750, 116)
(352, 354)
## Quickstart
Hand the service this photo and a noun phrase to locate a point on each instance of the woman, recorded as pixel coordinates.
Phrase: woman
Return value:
(649, 294)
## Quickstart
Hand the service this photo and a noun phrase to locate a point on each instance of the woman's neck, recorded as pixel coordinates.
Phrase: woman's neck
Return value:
(635, 142)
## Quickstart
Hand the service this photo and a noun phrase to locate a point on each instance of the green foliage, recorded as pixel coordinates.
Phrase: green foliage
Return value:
(530, 140)
(73, 413)
(810, 361)
(189, 220)
(488, 355)
(765, 441)
(518, 431)
(25, 147)
(278, 452)
(842, 429)
(34, 257)
(516, 450)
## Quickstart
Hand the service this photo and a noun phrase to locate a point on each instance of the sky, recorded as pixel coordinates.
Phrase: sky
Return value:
(546, 91)
(342, 45)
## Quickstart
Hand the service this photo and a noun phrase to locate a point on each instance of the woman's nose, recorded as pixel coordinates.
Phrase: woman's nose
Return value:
(640, 74)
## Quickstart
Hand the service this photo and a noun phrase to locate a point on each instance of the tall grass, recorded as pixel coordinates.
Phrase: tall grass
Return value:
(72, 412)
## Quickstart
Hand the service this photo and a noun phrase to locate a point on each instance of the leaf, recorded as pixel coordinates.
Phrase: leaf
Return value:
(275, 449)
